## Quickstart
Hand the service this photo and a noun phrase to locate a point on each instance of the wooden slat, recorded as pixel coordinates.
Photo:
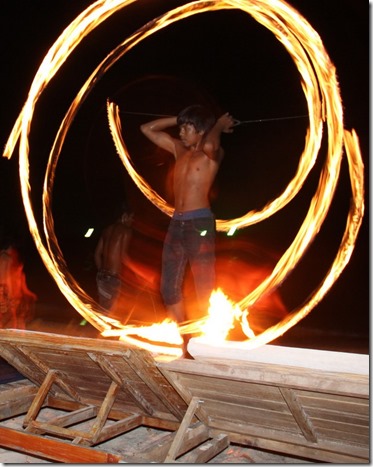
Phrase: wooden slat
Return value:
(121, 426)
(334, 402)
(156, 451)
(206, 451)
(17, 389)
(147, 371)
(324, 452)
(177, 442)
(335, 416)
(54, 449)
(242, 416)
(16, 407)
(299, 414)
(103, 412)
(275, 375)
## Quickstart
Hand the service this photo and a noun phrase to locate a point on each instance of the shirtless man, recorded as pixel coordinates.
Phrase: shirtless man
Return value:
(110, 258)
(191, 233)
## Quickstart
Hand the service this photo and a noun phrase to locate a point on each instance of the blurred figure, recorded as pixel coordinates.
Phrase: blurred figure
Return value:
(118, 274)
(111, 254)
(16, 300)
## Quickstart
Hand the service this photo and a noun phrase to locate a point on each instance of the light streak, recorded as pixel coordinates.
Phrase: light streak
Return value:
(321, 91)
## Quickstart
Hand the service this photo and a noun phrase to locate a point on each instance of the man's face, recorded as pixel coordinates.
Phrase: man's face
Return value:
(188, 135)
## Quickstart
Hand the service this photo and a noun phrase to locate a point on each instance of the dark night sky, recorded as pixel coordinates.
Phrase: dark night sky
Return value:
(223, 58)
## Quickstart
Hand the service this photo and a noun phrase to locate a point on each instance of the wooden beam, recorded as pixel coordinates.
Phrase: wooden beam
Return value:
(156, 451)
(206, 451)
(175, 446)
(53, 449)
(299, 414)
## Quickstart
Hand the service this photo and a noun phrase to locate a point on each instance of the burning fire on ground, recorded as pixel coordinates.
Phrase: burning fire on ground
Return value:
(321, 90)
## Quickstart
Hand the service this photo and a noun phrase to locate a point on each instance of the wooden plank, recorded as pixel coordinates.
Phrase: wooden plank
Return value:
(251, 396)
(240, 392)
(334, 403)
(20, 362)
(324, 452)
(206, 451)
(17, 389)
(335, 416)
(106, 366)
(285, 376)
(299, 414)
(16, 407)
(72, 418)
(156, 451)
(242, 416)
(53, 449)
(119, 427)
(39, 398)
(103, 412)
(342, 432)
(176, 444)
(62, 432)
(149, 372)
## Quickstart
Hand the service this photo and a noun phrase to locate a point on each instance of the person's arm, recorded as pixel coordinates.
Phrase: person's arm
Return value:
(154, 131)
(211, 144)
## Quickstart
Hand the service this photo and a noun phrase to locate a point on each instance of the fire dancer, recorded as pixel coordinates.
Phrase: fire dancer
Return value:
(191, 233)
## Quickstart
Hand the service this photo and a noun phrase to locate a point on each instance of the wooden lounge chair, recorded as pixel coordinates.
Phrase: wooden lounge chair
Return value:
(116, 387)
(306, 412)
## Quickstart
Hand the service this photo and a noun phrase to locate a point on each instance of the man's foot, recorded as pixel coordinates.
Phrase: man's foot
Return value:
(186, 354)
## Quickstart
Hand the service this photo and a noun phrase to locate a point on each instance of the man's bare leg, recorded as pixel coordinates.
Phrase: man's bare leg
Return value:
(176, 313)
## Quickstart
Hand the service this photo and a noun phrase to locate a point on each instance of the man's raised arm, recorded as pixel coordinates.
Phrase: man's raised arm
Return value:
(154, 131)
(211, 145)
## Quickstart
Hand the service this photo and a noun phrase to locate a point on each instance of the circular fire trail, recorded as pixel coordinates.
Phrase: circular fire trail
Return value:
(321, 91)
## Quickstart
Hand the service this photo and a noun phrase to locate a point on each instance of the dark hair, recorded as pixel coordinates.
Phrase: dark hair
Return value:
(197, 115)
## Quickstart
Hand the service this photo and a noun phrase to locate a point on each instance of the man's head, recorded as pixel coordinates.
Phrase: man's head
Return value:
(124, 214)
(127, 215)
(194, 123)
(199, 116)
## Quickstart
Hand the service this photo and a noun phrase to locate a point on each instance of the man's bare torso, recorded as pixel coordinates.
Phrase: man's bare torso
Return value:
(194, 175)
(114, 247)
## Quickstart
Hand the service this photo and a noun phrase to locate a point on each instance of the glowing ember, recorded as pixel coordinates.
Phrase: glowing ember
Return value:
(322, 94)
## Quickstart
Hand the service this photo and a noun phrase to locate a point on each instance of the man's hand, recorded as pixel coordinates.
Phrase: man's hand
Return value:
(226, 123)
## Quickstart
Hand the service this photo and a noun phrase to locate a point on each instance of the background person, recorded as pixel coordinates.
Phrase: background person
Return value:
(110, 257)
(16, 299)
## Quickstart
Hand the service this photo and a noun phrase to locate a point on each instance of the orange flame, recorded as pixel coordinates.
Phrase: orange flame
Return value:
(221, 319)
(320, 87)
